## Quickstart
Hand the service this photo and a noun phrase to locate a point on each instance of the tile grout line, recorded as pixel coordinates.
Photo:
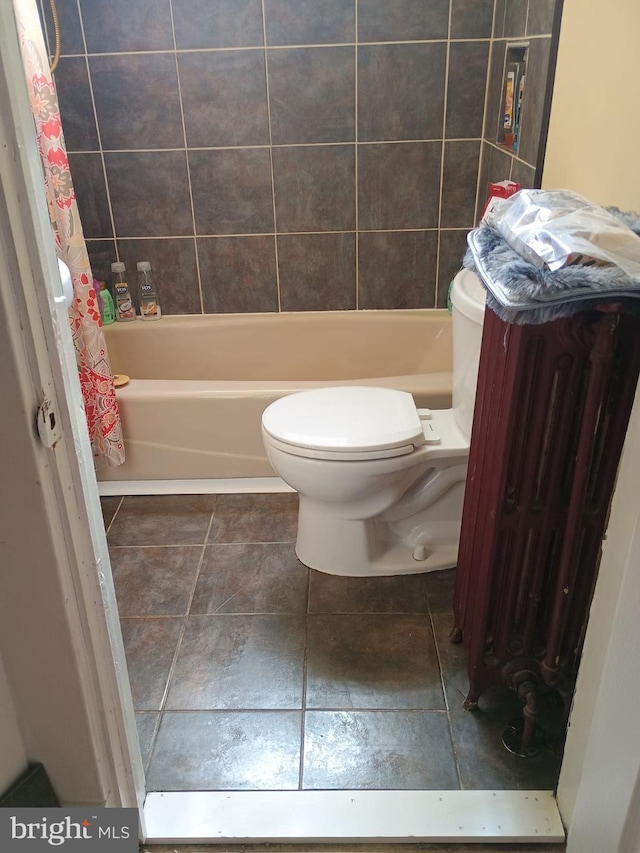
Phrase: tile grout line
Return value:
(454, 751)
(322, 613)
(355, 163)
(287, 710)
(485, 109)
(367, 709)
(286, 47)
(442, 157)
(185, 618)
(318, 46)
(287, 234)
(101, 150)
(186, 157)
(146, 764)
(154, 740)
(270, 147)
(261, 146)
(156, 545)
(113, 517)
(305, 656)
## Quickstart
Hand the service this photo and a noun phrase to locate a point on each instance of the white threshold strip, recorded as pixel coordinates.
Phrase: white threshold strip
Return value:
(220, 486)
(263, 817)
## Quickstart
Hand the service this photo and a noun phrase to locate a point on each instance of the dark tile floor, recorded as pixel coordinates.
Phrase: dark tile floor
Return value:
(248, 671)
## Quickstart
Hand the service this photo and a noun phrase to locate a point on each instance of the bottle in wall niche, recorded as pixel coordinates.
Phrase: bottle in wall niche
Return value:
(149, 302)
(125, 310)
(107, 308)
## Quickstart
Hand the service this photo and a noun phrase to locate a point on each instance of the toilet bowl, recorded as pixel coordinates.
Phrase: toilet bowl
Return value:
(381, 482)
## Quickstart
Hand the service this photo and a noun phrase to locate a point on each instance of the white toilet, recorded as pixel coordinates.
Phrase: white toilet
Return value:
(381, 482)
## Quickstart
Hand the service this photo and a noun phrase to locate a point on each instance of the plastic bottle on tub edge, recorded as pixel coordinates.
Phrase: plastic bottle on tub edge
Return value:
(107, 305)
(149, 302)
(125, 309)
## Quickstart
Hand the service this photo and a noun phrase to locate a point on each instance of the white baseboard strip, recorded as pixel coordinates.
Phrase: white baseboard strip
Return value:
(263, 817)
(222, 486)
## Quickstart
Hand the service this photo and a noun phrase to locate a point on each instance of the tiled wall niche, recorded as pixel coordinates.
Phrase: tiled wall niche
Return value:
(281, 155)
(528, 22)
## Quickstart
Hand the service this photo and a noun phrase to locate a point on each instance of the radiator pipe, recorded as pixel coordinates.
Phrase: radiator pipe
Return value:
(528, 694)
(523, 738)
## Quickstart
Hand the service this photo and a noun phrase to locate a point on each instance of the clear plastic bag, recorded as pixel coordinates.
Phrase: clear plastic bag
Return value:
(556, 228)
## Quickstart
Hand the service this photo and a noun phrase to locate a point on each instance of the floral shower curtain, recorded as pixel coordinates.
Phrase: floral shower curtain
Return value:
(96, 378)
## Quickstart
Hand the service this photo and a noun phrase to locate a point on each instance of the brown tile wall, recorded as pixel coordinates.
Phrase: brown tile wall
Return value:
(280, 155)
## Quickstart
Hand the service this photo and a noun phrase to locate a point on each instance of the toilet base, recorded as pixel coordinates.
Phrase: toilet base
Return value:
(361, 548)
(396, 561)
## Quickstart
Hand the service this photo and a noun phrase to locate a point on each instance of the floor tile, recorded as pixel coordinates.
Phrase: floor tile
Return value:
(372, 661)
(453, 661)
(335, 594)
(233, 719)
(150, 646)
(255, 518)
(249, 750)
(109, 504)
(147, 725)
(152, 581)
(378, 749)
(162, 520)
(239, 662)
(440, 586)
(251, 578)
(483, 760)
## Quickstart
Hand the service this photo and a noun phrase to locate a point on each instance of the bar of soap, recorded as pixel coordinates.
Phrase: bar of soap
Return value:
(120, 379)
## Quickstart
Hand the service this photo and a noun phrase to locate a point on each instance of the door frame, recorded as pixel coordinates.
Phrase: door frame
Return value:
(60, 637)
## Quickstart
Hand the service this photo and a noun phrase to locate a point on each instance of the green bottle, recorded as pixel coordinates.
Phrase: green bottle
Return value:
(107, 308)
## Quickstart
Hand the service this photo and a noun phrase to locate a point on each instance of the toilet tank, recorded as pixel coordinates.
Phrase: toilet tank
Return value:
(467, 312)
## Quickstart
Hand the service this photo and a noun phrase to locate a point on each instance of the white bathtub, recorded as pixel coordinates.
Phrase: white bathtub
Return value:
(199, 384)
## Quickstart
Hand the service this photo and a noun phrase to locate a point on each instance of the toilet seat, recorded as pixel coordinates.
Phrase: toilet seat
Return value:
(345, 423)
(341, 455)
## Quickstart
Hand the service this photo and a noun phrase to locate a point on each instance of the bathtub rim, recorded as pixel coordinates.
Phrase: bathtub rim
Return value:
(126, 341)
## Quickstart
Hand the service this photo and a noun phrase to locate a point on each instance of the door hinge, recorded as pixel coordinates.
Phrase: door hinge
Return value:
(49, 428)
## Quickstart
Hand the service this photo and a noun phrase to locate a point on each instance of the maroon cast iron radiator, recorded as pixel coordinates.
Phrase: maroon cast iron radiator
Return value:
(553, 403)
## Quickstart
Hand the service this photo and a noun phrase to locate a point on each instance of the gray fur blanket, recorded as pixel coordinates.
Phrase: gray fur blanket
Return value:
(519, 292)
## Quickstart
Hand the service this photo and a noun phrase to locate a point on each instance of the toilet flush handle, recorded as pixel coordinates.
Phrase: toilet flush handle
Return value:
(430, 435)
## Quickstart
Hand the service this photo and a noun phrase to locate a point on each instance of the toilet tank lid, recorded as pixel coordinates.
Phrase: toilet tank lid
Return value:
(345, 418)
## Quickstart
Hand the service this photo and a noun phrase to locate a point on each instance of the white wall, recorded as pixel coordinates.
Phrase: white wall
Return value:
(13, 758)
(593, 148)
(594, 134)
